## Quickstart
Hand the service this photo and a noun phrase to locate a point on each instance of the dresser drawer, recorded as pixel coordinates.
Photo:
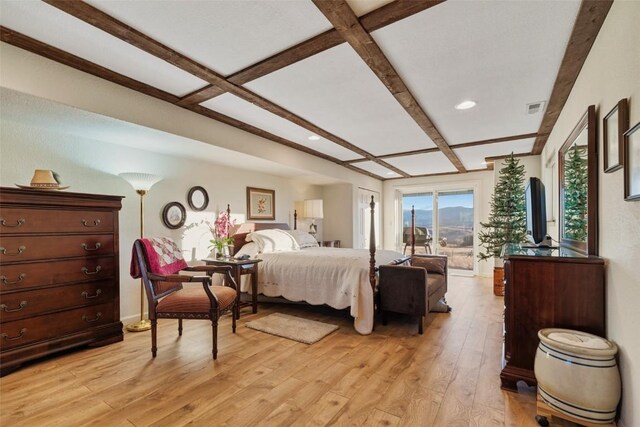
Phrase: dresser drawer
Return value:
(48, 326)
(26, 248)
(23, 220)
(18, 305)
(36, 274)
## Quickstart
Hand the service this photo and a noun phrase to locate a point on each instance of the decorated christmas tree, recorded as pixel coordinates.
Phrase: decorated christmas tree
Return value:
(575, 195)
(507, 221)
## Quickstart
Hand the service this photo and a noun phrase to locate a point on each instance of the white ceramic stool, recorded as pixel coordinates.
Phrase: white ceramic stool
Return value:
(578, 375)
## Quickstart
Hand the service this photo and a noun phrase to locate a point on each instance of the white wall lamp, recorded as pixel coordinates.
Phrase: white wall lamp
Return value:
(313, 209)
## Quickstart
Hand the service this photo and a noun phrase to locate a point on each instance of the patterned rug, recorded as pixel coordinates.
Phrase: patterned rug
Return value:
(291, 327)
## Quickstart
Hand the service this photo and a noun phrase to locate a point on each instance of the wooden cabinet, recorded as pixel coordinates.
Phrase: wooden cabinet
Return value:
(330, 243)
(543, 289)
(59, 274)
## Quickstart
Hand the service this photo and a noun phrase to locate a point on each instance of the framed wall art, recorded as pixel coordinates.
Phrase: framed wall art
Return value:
(614, 125)
(198, 199)
(261, 204)
(632, 163)
(174, 215)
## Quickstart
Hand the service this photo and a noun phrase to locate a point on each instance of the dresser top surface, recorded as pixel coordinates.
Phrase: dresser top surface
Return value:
(519, 250)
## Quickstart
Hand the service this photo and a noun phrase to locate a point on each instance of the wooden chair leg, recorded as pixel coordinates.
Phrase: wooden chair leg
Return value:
(420, 324)
(179, 327)
(154, 329)
(214, 336)
(233, 319)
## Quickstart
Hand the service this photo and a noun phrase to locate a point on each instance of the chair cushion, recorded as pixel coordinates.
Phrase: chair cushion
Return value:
(195, 300)
(432, 265)
(434, 283)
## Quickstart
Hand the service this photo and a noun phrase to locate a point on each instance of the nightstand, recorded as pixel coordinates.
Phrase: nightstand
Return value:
(330, 243)
(238, 268)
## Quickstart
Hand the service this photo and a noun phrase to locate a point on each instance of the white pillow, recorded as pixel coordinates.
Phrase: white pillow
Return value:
(250, 249)
(304, 239)
(274, 241)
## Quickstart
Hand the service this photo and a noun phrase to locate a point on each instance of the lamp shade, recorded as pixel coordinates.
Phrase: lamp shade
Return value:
(313, 209)
(140, 181)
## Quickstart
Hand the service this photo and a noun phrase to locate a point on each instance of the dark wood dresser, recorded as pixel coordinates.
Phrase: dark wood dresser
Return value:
(59, 275)
(547, 288)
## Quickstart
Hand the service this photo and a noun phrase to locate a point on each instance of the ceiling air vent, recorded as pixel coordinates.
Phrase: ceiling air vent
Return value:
(535, 107)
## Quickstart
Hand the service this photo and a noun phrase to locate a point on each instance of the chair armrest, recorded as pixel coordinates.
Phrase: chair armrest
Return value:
(209, 268)
(178, 278)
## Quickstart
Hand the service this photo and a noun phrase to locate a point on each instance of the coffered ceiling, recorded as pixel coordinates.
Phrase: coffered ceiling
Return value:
(368, 84)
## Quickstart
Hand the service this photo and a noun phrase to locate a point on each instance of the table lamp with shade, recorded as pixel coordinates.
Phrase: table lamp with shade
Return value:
(142, 183)
(313, 209)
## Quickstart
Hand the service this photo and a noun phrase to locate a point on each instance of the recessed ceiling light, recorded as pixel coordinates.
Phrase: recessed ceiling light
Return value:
(314, 138)
(465, 105)
(391, 173)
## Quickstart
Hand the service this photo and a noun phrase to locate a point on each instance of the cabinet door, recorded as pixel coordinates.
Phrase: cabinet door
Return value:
(508, 306)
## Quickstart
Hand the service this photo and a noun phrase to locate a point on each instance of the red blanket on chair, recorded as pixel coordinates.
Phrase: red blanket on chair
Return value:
(163, 257)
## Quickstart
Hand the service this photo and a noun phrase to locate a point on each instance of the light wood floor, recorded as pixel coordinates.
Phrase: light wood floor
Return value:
(447, 377)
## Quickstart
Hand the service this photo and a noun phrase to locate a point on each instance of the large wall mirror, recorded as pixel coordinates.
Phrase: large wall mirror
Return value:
(578, 169)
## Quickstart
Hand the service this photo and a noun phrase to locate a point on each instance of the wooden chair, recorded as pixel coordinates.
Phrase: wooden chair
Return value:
(169, 299)
(422, 235)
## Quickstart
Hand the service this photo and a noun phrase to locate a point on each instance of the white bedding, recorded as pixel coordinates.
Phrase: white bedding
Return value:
(337, 277)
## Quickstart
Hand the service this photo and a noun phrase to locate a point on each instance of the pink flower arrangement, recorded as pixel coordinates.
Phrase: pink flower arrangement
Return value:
(221, 229)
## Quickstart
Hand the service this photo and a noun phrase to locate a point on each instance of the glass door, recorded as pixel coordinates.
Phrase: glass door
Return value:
(455, 233)
(423, 206)
(444, 225)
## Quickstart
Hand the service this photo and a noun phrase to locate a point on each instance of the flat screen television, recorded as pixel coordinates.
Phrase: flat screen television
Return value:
(536, 213)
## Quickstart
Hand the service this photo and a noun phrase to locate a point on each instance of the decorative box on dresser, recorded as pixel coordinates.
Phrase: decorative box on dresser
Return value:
(547, 288)
(59, 274)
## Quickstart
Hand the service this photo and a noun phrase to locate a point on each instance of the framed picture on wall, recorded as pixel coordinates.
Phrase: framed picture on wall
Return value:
(174, 215)
(614, 125)
(632, 163)
(261, 204)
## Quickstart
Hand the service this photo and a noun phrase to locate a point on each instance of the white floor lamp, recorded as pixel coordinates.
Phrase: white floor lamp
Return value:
(142, 183)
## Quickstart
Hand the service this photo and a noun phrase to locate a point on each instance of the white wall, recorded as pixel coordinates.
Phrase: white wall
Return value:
(482, 182)
(91, 167)
(612, 72)
(338, 213)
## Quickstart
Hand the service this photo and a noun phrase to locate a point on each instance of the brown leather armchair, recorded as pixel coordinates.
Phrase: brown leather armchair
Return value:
(169, 299)
(413, 286)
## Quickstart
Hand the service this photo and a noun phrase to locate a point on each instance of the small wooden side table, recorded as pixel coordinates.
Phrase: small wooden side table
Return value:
(238, 268)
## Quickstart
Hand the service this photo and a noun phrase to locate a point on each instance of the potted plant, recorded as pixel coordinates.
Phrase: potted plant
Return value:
(222, 240)
(507, 220)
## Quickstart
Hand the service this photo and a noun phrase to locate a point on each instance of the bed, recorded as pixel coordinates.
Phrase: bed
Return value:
(338, 277)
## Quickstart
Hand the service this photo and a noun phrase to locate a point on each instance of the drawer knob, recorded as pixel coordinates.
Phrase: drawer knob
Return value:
(86, 271)
(86, 295)
(86, 319)
(86, 224)
(5, 337)
(86, 248)
(18, 223)
(5, 307)
(6, 281)
(20, 250)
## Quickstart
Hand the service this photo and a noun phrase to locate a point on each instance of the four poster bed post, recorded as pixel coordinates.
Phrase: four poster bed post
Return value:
(413, 230)
(372, 249)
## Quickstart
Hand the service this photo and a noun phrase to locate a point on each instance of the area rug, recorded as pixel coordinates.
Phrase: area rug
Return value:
(291, 327)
